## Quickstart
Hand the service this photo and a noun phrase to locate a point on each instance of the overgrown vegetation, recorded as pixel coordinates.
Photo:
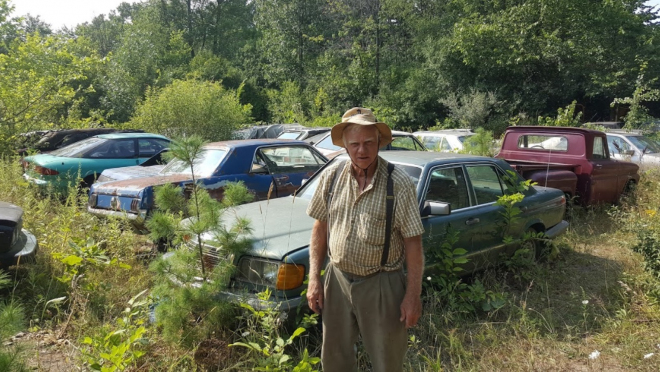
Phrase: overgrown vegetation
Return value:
(595, 295)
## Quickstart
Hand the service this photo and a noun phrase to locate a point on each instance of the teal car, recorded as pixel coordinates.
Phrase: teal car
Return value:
(85, 160)
(455, 193)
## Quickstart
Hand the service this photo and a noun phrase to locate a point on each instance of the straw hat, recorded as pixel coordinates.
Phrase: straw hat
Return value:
(360, 116)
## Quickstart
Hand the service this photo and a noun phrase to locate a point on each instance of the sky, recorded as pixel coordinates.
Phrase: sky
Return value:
(60, 13)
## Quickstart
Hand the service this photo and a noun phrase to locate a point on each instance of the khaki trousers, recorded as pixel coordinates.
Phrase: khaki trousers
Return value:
(369, 307)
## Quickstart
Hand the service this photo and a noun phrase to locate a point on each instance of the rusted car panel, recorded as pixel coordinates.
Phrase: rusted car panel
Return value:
(269, 168)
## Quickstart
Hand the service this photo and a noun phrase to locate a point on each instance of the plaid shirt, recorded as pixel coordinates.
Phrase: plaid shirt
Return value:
(357, 219)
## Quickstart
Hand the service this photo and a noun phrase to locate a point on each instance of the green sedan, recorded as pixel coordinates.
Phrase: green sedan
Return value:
(453, 190)
(85, 160)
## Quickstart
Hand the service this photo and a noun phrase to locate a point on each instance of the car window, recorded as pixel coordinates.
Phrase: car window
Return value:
(288, 159)
(644, 143)
(598, 151)
(444, 145)
(113, 149)
(289, 135)
(327, 144)
(431, 142)
(617, 145)
(486, 183)
(448, 185)
(541, 142)
(149, 147)
(78, 148)
(204, 165)
(403, 143)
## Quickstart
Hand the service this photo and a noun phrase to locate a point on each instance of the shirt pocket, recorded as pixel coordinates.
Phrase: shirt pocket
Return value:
(371, 230)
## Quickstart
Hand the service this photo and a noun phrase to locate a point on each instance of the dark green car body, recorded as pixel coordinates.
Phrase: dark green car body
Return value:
(469, 184)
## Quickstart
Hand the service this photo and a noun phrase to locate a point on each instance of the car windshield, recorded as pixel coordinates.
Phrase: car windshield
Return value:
(327, 144)
(289, 135)
(308, 190)
(645, 143)
(204, 165)
(77, 149)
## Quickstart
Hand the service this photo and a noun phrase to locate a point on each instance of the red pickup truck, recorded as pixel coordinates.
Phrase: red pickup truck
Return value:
(574, 160)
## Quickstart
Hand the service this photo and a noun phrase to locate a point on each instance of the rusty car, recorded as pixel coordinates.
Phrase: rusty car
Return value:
(269, 168)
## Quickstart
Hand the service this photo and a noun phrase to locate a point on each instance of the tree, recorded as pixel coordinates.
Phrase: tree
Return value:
(39, 78)
(191, 107)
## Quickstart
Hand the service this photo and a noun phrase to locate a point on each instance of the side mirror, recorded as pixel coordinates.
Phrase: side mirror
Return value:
(434, 208)
(258, 169)
(628, 152)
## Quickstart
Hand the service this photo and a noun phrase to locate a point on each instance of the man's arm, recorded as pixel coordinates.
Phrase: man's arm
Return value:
(411, 307)
(318, 249)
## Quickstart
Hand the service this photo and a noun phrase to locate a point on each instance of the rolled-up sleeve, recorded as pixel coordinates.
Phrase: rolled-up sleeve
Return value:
(317, 208)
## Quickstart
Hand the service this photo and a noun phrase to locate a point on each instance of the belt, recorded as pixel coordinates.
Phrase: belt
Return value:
(356, 278)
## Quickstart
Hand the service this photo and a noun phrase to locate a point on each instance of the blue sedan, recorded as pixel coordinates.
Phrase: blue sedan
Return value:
(270, 168)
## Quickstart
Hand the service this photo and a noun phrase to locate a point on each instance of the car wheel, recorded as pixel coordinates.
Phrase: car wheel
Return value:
(532, 245)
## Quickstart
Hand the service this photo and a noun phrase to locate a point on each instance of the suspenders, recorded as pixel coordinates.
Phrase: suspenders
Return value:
(389, 207)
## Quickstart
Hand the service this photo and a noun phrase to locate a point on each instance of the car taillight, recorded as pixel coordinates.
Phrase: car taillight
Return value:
(135, 205)
(290, 276)
(45, 171)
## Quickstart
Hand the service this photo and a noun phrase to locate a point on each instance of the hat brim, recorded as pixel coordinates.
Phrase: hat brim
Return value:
(338, 130)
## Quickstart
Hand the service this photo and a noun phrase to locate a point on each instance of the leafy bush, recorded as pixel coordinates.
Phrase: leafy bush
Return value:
(191, 107)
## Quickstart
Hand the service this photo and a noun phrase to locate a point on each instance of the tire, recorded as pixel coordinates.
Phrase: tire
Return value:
(534, 247)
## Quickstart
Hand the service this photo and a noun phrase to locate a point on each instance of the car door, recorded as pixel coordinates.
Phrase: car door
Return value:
(488, 230)
(114, 153)
(148, 147)
(289, 165)
(447, 184)
(604, 175)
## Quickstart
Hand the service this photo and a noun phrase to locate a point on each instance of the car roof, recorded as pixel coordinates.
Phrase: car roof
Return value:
(444, 132)
(421, 158)
(553, 131)
(255, 142)
(130, 135)
(625, 133)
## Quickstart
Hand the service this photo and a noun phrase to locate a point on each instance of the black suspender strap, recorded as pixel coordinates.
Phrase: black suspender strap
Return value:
(331, 191)
(389, 213)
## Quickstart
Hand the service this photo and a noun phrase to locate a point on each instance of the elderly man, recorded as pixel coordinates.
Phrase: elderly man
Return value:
(365, 291)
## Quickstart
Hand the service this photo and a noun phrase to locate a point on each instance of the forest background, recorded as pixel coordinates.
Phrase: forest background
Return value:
(418, 64)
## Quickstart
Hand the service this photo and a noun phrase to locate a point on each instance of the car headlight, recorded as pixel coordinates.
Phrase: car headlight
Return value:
(278, 275)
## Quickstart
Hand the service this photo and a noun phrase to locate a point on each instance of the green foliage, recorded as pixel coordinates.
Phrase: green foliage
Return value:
(119, 348)
(648, 245)
(191, 107)
(566, 117)
(262, 336)
(638, 113)
(470, 110)
(481, 143)
(83, 257)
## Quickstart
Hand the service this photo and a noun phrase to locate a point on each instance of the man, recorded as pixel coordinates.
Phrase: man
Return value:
(360, 295)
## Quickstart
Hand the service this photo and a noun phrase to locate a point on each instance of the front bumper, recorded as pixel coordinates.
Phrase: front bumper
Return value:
(24, 250)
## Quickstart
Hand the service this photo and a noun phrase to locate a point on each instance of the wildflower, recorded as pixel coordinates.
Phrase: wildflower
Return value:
(585, 302)
(648, 355)
(428, 278)
(245, 334)
(594, 355)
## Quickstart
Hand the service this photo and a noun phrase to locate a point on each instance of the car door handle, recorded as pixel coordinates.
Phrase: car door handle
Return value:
(471, 221)
(599, 165)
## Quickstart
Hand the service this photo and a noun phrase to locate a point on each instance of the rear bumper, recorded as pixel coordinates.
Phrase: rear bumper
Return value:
(25, 250)
(557, 229)
(140, 216)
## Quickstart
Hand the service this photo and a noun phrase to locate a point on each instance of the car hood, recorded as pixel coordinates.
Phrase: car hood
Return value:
(279, 226)
(126, 173)
(133, 186)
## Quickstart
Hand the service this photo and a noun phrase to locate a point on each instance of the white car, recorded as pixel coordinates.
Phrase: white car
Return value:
(400, 141)
(633, 146)
(446, 140)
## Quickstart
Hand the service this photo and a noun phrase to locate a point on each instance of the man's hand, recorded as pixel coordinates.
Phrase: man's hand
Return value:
(411, 310)
(315, 295)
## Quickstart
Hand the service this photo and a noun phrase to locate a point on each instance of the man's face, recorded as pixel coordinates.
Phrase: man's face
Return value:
(362, 145)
